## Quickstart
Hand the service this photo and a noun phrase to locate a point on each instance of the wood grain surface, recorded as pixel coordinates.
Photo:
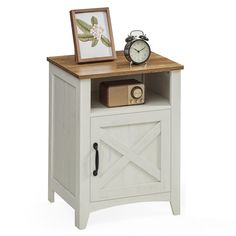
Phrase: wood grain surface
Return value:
(118, 67)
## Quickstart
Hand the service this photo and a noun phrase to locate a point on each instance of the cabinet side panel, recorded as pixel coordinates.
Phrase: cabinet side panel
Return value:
(64, 133)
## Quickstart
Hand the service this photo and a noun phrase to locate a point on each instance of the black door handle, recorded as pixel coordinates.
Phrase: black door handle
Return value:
(95, 172)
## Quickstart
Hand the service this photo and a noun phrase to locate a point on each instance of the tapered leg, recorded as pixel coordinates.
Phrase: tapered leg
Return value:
(175, 206)
(81, 220)
(50, 195)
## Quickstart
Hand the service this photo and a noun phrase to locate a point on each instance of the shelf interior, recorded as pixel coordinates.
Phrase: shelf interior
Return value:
(153, 101)
(156, 95)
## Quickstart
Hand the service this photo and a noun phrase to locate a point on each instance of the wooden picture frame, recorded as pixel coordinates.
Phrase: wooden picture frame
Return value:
(92, 35)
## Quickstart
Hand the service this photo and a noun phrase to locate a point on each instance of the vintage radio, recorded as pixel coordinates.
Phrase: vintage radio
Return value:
(122, 93)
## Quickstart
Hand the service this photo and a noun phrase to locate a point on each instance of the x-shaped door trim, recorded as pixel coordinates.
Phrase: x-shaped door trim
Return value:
(130, 154)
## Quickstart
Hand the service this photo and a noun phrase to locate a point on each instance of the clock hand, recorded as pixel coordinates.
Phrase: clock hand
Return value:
(141, 49)
(136, 50)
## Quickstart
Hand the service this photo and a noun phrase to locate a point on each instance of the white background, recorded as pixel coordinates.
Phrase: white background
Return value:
(199, 34)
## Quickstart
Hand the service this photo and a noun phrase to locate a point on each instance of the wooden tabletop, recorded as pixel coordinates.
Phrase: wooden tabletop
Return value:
(118, 67)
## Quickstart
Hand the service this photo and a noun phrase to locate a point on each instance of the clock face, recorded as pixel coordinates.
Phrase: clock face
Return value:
(136, 92)
(139, 51)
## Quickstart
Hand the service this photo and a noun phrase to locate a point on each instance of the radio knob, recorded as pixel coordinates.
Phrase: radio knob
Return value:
(136, 92)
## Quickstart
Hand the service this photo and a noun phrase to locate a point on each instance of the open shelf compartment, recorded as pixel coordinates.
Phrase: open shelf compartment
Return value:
(157, 94)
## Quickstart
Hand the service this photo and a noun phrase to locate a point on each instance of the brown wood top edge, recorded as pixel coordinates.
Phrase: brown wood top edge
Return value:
(51, 58)
(181, 67)
(114, 75)
(118, 67)
(126, 73)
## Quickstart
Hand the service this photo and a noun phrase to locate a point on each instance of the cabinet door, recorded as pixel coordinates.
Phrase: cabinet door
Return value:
(134, 154)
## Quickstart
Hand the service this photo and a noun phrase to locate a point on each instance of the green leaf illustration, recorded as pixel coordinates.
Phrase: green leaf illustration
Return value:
(83, 26)
(94, 42)
(105, 41)
(94, 20)
(85, 37)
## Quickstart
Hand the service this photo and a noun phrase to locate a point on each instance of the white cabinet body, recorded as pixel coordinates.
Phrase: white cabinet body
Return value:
(139, 146)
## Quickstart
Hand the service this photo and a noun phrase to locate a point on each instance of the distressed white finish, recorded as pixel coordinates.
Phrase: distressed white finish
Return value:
(134, 154)
(139, 146)
(64, 121)
(50, 141)
(69, 142)
(83, 153)
(94, 206)
(175, 90)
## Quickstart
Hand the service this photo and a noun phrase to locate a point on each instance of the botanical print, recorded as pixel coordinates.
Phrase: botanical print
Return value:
(92, 35)
(93, 32)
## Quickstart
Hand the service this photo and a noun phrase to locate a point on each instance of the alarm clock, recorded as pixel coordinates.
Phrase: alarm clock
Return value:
(137, 50)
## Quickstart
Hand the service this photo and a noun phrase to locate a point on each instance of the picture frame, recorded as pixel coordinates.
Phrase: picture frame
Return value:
(92, 35)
